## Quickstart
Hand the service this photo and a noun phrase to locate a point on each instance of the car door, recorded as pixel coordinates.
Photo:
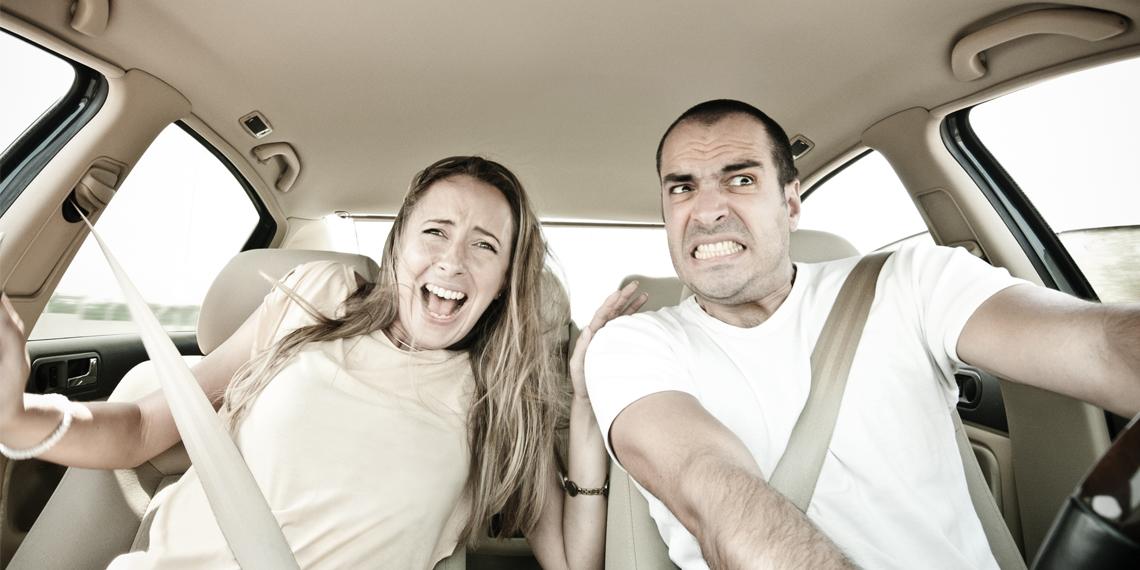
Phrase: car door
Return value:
(178, 214)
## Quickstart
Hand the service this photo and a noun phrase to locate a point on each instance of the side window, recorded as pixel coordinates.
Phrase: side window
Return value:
(177, 219)
(865, 203)
(1071, 146)
(583, 259)
(43, 80)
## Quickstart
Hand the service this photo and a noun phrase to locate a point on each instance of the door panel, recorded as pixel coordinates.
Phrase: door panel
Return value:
(114, 356)
(995, 457)
(25, 486)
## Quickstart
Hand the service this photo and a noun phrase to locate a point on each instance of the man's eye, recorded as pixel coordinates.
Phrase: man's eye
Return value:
(741, 180)
(680, 189)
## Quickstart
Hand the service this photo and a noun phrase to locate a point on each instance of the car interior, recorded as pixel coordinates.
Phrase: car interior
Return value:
(212, 142)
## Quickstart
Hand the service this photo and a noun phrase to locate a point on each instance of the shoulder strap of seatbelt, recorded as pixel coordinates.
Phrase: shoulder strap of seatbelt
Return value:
(253, 534)
(993, 523)
(796, 473)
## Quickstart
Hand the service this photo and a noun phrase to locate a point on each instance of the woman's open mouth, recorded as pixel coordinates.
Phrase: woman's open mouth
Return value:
(442, 304)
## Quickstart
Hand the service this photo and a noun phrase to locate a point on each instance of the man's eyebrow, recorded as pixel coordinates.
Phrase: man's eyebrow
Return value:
(740, 166)
(674, 177)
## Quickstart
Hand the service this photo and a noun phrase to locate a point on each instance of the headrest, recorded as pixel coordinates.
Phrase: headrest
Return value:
(663, 291)
(239, 288)
(555, 307)
(813, 246)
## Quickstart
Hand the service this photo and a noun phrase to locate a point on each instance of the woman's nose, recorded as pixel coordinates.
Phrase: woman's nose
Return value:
(452, 259)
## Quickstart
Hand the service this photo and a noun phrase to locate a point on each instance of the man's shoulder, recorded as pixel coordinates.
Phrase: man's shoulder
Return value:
(664, 324)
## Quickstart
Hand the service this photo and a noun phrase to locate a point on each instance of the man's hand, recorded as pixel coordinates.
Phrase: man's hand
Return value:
(709, 480)
(1050, 340)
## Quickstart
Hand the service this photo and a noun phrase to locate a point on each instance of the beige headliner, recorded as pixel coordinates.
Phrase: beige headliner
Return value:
(573, 96)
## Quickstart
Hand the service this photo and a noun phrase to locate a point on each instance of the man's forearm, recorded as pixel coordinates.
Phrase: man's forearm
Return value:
(741, 522)
(1122, 358)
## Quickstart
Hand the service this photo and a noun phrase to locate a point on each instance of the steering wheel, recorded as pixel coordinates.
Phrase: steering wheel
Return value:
(1099, 525)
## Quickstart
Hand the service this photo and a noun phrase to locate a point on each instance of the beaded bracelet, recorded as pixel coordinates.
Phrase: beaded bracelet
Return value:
(64, 406)
(574, 490)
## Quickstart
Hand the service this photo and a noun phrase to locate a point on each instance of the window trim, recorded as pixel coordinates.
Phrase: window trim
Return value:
(1039, 242)
(266, 227)
(834, 172)
(39, 143)
(1042, 246)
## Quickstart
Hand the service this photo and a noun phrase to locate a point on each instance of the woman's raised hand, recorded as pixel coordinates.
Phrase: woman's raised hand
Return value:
(14, 361)
(625, 301)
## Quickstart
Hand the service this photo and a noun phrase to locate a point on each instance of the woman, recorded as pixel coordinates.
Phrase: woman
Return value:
(385, 423)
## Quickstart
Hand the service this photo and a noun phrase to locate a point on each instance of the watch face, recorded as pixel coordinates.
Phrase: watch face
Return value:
(571, 488)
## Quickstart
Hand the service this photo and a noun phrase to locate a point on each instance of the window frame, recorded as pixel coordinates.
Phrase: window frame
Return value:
(1041, 245)
(43, 139)
(834, 172)
(266, 227)
(848, 163)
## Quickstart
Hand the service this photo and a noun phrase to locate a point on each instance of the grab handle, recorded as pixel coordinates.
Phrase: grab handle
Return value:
(967, 59)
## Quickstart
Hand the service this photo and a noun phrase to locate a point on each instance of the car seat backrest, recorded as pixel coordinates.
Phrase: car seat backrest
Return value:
(632, 539)
(239, 287)
(95, 515)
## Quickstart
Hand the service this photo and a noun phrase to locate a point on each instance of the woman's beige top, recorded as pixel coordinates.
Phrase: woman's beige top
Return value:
(359, 447)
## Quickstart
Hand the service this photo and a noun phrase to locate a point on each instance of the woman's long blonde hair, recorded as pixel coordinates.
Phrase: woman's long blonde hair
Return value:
(516, 401)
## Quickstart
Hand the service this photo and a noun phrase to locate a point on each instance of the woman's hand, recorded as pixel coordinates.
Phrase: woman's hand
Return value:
(14, 361)
(619, 303)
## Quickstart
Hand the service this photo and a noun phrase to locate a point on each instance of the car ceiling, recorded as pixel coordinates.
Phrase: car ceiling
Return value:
(572, 96)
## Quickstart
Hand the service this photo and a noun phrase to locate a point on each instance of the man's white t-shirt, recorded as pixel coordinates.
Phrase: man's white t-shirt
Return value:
(892, 492)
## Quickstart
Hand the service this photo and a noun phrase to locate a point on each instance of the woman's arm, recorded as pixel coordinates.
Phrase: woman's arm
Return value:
(571, 531)
(103, 435)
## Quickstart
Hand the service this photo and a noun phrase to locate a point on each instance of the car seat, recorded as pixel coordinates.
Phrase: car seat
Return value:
(632, 539)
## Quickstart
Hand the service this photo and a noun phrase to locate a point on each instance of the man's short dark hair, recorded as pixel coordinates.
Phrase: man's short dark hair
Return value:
(710, 112)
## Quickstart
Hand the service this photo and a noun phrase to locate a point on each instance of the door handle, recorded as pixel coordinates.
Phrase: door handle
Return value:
(969, 389)
(86, 379)
(67, 373)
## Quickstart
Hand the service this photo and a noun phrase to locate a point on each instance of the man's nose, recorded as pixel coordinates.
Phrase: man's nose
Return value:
(711, 206)
(452, 260)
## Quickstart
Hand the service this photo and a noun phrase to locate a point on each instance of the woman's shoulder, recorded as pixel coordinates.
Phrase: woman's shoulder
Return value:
(309, 289)
(321, 272)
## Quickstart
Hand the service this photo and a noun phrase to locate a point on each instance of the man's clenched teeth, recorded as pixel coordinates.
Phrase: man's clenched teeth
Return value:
(718, 249)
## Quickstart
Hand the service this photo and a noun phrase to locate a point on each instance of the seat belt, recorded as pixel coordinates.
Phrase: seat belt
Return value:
(1005, 550)
(797, 472)
(249, 527)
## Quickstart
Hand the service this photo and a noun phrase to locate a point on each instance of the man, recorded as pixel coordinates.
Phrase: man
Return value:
(698, 400)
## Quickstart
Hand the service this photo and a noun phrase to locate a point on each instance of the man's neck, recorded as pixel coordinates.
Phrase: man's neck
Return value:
(752, 313)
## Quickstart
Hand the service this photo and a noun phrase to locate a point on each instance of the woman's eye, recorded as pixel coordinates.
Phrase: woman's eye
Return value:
(487, 246)
(741, 180)
(680, 189)
(434, 232)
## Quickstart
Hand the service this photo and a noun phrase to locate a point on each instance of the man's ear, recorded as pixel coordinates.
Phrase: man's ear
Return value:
(792, 201)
